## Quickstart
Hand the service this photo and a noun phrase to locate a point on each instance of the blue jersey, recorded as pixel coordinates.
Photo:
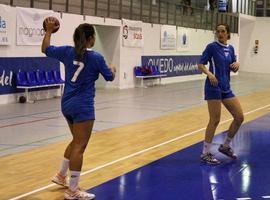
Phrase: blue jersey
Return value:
(220, 57)
(80, 77)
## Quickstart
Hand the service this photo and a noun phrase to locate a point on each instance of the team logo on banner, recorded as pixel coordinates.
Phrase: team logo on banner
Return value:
(167, 37)
(132, 33)
(5, 25)
(29, 25)
(182, 39)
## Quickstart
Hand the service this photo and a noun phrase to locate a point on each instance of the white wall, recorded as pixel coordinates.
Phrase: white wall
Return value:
(258, 29)
(109, 43)
(109, 46)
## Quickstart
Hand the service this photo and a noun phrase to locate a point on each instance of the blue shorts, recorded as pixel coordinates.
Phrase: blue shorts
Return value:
(79, 117)
(217, 94)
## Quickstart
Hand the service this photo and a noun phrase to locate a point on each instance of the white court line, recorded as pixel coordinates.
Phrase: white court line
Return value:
(243, 198)
(135, 154)
(266, 197)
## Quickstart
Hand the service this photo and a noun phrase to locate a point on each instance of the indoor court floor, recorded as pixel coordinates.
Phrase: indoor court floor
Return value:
(146, 145)
(180, 175)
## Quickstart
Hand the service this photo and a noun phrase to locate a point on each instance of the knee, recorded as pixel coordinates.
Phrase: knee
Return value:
(79, 147)
(239, 119)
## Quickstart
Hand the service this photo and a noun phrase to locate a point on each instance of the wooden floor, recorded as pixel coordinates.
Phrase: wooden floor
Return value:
(116, 151)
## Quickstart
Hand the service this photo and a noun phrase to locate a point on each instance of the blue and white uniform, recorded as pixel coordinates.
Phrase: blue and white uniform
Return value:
(78, 99)
(220, 57)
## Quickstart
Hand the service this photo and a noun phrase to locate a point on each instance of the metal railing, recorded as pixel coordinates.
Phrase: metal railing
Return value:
(245, 7)
(162, 12)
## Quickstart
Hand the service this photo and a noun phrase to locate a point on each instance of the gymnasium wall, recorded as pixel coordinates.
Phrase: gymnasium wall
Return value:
(198, 40)
(251, 30)
(109, 43)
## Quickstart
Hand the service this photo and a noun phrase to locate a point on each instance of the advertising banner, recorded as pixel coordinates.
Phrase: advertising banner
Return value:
(173, 65)
(132, 34)
(5, 21)
(29, 25)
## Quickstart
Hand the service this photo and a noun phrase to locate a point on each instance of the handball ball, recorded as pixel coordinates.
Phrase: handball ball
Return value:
(22, 99)
(56, 24)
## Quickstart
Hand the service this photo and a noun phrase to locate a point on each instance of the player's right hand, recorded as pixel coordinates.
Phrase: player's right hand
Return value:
(113, 68)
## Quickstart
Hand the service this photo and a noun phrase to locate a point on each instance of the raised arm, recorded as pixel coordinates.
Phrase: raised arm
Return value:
(46, 41)
(50, 26)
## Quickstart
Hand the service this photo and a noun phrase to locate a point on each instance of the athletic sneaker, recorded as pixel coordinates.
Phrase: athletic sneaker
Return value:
(60, 180)
(227, 150)
(209, 159)
(78, 194)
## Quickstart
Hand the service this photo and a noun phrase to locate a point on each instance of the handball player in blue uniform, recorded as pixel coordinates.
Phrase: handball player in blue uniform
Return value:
(82, 69)
(221, 57)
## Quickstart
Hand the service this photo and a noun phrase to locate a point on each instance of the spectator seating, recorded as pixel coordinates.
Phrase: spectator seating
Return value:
(147, 72)
(38, 79)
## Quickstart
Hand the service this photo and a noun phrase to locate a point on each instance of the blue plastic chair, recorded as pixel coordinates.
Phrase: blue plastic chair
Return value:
(138, 71)
(31, 78)
(155, 70)
(41, 77)
(57, 76)
(21, 79)
(49, 77)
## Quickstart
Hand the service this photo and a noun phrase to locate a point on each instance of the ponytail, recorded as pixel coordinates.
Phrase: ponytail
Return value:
(80, 37)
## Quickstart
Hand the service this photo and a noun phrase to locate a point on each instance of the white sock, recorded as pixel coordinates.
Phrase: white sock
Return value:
(206, 147)
(64, 167)
(74, 180)
(227, 141)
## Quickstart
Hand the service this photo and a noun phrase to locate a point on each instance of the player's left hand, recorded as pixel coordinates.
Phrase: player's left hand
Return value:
(235, 66)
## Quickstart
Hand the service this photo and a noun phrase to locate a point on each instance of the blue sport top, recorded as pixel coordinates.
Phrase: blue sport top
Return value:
(220, 57)
(80, 77)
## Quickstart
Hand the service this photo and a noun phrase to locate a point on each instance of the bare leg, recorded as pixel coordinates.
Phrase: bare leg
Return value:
(214, 109)
(60, 177)
(234, 107)
(69, 147)
(81, 135)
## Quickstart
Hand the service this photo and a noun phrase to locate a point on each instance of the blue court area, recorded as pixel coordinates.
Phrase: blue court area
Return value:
(181, 176)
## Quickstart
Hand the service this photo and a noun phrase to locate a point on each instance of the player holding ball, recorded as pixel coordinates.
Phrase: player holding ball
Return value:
(82, 69)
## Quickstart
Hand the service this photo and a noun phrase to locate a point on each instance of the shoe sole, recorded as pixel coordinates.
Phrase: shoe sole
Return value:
(57, 183)
(209, 163)
(232, 157)
(77, 199)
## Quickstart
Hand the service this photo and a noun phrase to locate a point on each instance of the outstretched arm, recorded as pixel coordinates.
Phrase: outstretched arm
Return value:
(50, 25)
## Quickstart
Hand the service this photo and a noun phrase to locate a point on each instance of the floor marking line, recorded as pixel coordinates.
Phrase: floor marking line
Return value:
(137, 153)
(28, 122)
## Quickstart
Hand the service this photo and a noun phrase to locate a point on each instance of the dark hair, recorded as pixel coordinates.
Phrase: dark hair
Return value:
(81, 34)
(227, 29)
